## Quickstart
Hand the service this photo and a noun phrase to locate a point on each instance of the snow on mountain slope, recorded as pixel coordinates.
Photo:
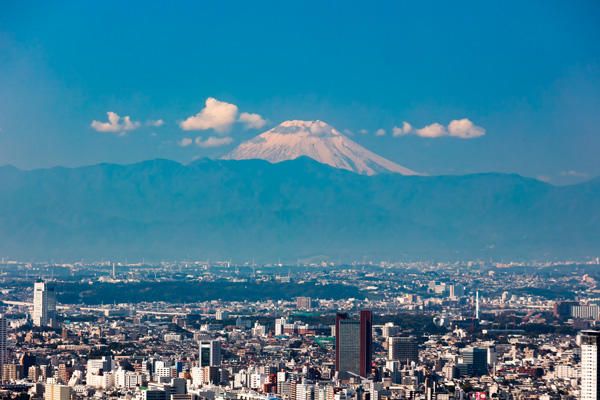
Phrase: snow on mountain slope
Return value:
(317, 140)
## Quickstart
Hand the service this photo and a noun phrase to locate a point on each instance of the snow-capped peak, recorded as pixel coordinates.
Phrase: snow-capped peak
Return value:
(306, 128)
(317, 140)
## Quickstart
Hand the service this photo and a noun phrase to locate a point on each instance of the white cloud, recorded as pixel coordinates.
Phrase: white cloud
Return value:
(213, 141)
(185, 142)
(363, 131)
(158, 122)
(404, 130)
(460, 128)
(380, 132)
(115, 124)
(217, 115)
(432, 131)
(464, 129)
(252, 121)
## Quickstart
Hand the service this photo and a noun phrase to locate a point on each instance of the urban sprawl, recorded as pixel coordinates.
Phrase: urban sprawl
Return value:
(312, 331)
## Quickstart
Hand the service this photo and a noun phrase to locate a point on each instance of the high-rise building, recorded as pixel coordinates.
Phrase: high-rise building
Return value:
(590, 340)
(210, 353)
(474, 362)
(3, 349)
(404, 349)
(353, 345)
(456, 291)
(57, 392)
(279, 325)
(44, 304)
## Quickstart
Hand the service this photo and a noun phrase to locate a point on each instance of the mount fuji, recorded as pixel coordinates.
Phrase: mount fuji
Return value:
(319, 141)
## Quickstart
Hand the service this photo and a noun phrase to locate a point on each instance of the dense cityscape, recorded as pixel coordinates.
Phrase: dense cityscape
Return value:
(364, 331)
(299, 200)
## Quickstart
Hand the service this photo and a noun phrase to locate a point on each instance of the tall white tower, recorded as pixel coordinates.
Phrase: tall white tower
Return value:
(477, 305)
(589, 365)
(44, 304)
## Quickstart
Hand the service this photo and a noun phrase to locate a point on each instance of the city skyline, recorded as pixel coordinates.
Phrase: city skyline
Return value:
(314, 200)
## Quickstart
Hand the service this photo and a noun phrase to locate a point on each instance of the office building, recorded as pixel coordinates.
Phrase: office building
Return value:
(3, 348)
(403, 349)
(353, 345)
(456, 291)
(210, 353)
(586, 312)
(44, 304)
(280, 323)
(303, 303)
(589, 365)
(155, 394)
(474, 362)
(57, 392)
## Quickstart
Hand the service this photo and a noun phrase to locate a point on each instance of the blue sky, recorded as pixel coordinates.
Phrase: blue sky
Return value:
(527, 73)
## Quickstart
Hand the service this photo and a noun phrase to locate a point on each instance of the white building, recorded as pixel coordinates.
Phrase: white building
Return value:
(44, 304)
(172, 337)
(279, 324)
(127, 379)
(259, 330)
(305, 391)
(197, 376)
(99, 373)
(162, 372)
(589, 365)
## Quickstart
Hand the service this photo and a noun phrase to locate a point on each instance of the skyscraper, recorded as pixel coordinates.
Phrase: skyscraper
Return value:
(403, 349)
(3, 350)
(44, 304)
(210, 353)
(474, 362)
(589, 365)
(353, 345)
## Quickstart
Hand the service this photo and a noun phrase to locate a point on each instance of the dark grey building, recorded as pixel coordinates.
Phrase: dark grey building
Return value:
(353, 345)
(404, 349)
(474, 362)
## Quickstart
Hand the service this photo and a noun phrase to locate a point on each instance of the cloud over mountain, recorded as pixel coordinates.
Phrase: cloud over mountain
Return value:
(220, 116)
(252, 121)
(216, 115)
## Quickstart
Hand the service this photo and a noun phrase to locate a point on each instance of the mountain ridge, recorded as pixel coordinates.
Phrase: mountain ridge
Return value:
(228, 209)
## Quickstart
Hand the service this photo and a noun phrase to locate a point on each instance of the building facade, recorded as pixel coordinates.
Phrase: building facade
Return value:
(44, 304)
(403, 349)
(353, 345)
(589, 365)
(210, 353)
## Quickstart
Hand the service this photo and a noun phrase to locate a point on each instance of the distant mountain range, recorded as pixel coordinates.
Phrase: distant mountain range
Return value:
(317, 140)
(292, 210)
